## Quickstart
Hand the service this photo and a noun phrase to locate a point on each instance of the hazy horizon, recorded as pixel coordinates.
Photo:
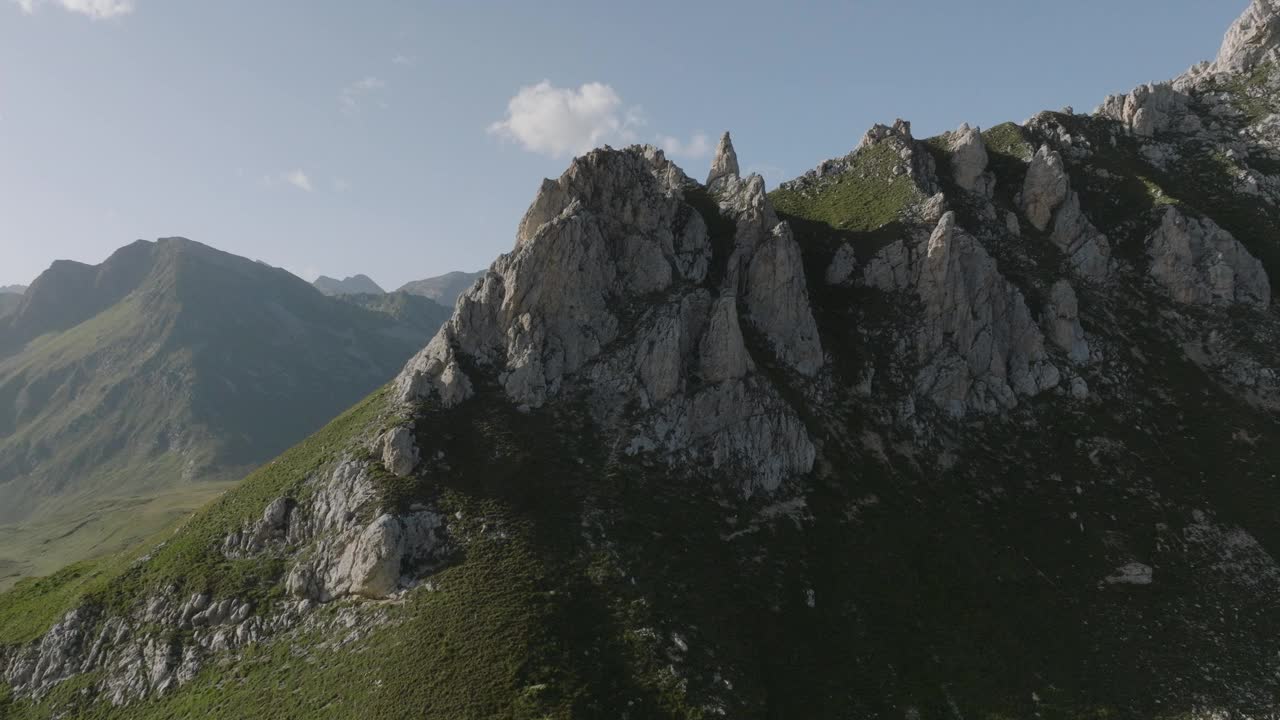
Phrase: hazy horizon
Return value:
(354, 143)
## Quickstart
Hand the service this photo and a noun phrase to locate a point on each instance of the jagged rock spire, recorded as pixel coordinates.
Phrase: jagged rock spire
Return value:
(1253, 38)
(969, 158)
(725, 163)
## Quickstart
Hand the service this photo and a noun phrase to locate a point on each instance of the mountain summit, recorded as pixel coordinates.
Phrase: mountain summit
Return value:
(444, 289)
(168, 367)
(354, 285)
(978, 425)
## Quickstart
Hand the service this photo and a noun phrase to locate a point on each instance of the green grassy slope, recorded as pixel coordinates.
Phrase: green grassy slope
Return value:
(208, 366)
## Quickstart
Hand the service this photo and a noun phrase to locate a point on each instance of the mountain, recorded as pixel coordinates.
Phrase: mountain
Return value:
(355, 285)
(13, 289)
(423, 315)
(982, 425)
(131, 391)
(444, 289)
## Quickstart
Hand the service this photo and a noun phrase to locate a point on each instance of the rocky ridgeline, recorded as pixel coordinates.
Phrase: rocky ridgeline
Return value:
(615, 237)
(679, 317)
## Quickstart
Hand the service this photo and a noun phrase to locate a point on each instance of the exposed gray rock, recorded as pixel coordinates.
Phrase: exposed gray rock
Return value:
(343, 554)
(1087, 249)
(723, 353)
(843, 264)
(271, 528)
(615, 232)
(1134, 573)
(1252, 40)
(1079, 388)
(742, 427)
(777, 300)
(969, 160)
(1047, 198)
(892, 268)
(1012, 224)
(1152, 109)
(1045, 188)
(1062, 323)
(725, 164)
(978, 346)
(399, 451)
(543, 310)
(148, 652)
(1199, 263)
(57, 656)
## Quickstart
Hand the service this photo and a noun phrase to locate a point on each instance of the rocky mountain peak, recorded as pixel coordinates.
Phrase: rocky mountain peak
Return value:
(1253, 39)
(725, 163)
(634, 284)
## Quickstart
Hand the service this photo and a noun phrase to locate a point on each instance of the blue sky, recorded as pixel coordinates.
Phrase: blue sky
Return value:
(337, 137)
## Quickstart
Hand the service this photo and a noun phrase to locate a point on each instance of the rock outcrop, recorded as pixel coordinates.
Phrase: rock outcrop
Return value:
(1046, 188)
(1199, 263)
(725, 164)
(1253, 39)
(1050, 204)
(978, 346)
(1151, 110)
(399, 452)
(1062, 323)
(342, 552)
(615, 231)
(149, 652)
(969, 160)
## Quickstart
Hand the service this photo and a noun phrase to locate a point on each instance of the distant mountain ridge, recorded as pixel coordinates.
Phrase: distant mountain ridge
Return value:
(169, 365)
(444, 289)
(13, 289)
(354, 285)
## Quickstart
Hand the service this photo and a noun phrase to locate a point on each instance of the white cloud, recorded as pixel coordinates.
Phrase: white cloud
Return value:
(96, 9)
(298, 179)
(698, 146)
(405, 60)
(341, 185)
(564, 121)
(351, 95)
